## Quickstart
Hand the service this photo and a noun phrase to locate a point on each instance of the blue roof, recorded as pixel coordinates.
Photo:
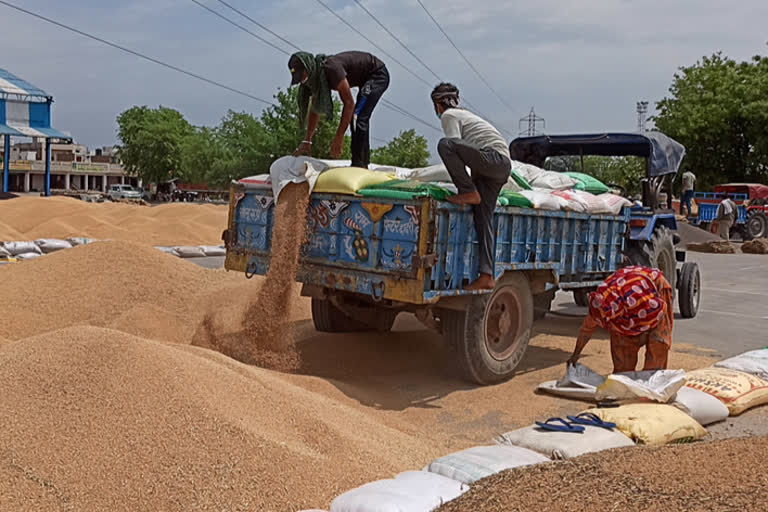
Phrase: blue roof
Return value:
(13, 87)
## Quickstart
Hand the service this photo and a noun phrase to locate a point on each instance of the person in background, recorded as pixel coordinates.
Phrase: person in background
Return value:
(317, 76)
(689, 182)
(473, 142)
(726, 214)
(636, 306)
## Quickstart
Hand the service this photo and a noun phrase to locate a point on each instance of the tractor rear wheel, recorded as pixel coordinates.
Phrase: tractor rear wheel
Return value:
(757, 224)
(658, 252)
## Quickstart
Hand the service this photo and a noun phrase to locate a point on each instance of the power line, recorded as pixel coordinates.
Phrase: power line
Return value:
(469, 63)
(382, 50)
(240, 27)
(469, 104)
(397, 39)
(137, 54)
(241, 13)
(386, 103)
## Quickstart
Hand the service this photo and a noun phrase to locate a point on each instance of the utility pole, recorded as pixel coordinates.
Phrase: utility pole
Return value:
(532, 120)
(642, 112)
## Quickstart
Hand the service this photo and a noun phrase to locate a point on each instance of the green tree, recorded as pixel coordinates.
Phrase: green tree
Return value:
(151, 142)
(718, 109)
(205, 159)
(406, 150)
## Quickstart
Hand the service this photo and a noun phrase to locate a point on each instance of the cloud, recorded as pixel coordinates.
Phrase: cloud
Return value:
(582, 65)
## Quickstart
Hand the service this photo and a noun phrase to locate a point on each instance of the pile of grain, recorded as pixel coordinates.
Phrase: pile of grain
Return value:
(266, 338)
(30, 218)
(720, 476)
(692, 234)
(130, 286)
(714, 246)
(756, 246)
(94, 419)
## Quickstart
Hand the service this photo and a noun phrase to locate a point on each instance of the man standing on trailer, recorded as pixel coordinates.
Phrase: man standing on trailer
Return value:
(689, 182)
(317, 76)
(473, 142)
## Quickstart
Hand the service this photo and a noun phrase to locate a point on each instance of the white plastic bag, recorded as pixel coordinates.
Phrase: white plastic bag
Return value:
(412, 491)
(28, 256)
(432, 173)
(701, 406)
(214, 250)
(190, 251)
(294, 169)
(581, 376)
(470, 465)
(754, 362)
(167, 250)
(543, 199)
(573, 202)
(78, 240)
(594, 204)
(17, 248)
(659, 386)
(527, 171)
(565, 445)
(553, 180)
(613, 203)
(3, 252)
(48, 245)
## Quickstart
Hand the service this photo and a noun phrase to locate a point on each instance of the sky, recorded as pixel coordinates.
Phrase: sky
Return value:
(582, 64)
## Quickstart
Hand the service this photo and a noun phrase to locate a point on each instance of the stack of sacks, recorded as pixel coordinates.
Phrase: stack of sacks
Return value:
(737, 382)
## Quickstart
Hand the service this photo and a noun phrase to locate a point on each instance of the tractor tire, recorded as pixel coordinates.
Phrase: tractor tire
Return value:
(757, 224)
(328, 318)
(658, 252)
(581, 297)
(689, 290)
(491, 337)
(542, 304)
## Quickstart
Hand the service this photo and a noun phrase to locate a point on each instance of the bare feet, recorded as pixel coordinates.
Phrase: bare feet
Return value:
(468, 198)
(484, 282)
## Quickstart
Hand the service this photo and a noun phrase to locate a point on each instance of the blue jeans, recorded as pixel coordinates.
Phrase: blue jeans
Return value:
(686, 201)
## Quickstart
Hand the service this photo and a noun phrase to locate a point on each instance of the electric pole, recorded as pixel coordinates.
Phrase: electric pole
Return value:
(531, 120)
(642, 111)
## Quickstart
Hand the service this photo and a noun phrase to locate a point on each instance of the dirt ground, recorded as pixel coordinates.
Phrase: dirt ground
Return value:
(718, 476)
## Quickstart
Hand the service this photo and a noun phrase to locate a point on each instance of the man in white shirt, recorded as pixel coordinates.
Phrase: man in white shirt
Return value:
(726, 215)
(689, 182)
(472, 142)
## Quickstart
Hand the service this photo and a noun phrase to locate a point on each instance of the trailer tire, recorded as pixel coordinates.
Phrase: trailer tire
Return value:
(329, 318)
(756, 225)
(492, 335)
(690, 290)
(658, 252)
(542, 304)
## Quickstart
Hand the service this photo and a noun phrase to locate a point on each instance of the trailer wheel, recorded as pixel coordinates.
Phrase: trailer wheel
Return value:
(658, 252)
(542, 304)
(329, 318)
(492, 335)
(757, 224)
(690, 290)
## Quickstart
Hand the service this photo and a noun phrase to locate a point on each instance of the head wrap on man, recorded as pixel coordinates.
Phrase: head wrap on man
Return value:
(316, 85)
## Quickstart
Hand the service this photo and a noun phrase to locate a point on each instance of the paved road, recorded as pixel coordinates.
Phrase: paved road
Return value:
(733, 316)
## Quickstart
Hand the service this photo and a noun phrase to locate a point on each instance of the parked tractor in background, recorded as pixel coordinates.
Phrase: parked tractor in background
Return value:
(752, 202)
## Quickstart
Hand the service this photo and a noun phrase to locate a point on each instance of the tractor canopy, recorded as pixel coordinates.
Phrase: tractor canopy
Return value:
(753, 190)
(663, 154)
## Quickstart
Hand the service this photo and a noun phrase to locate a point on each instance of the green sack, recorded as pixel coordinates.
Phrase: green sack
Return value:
(521, 182)
(413, 188)
(588, 184)
(515, 199)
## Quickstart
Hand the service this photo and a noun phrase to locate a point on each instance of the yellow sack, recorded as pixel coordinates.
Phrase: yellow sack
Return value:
(739, 391)
(348, 180)
(652, 424)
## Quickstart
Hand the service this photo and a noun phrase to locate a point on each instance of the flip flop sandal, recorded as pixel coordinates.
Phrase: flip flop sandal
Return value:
(591, 419)
(559, 425)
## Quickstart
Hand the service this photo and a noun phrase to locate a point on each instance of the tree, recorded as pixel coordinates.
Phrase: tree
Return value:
(405, 150)
(718, 109)
(205, 159)
(151, 142)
